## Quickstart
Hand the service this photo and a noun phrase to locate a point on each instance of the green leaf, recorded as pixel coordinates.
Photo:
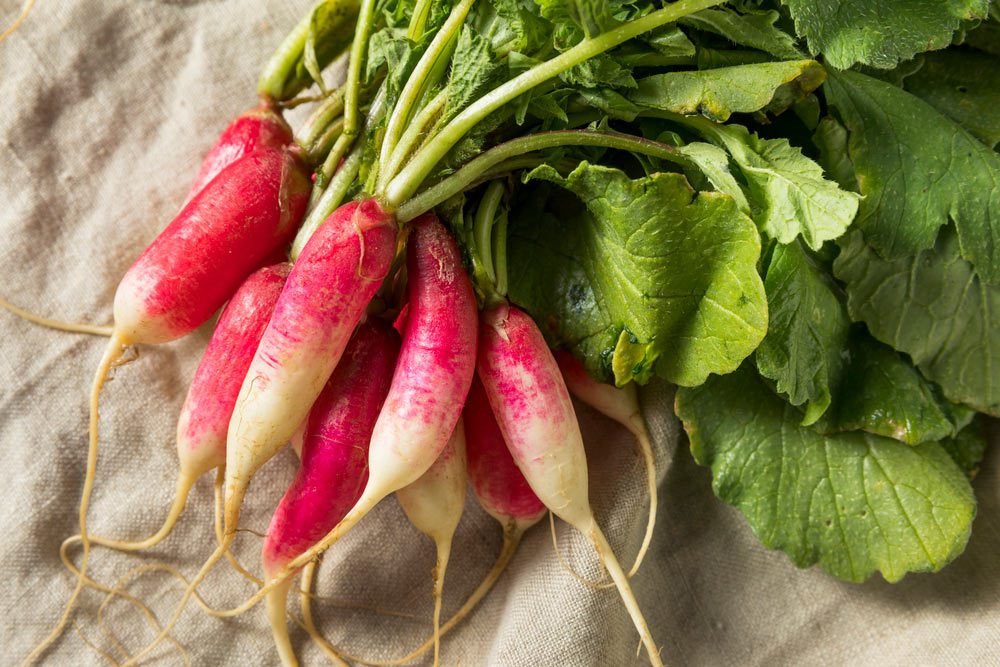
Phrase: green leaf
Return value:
(917, 170)
(474, 71)
(968, 447)
(965, 86)
(643, 277)
(880, 33)
(884, 394)
(831, 139)
(713, 170)
(806, 334)
(934, 307)
(854, 503)
(756, 30)
(719, 93)
(790, 196)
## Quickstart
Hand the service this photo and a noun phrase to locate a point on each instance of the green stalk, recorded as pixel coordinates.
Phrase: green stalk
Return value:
(482, 228)
(404, 184)
(414, 130)
(476, 168)
(500, 254)
(328, 201)
(415, 84)
(320, 119)
(418, 21)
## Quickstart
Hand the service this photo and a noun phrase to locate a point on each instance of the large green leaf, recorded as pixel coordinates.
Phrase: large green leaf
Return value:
(719, 93)
(918, 169)
(934, 307)
(855, 503)
(806, 334)
(882, 393)
(880, 33)
(965, 86)
(644, 277)
(789, 193)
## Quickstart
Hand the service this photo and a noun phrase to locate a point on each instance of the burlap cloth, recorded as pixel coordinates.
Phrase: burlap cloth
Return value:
(108, 107)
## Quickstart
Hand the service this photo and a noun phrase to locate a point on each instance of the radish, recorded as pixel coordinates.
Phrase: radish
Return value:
(500, 489)
(253, 130)
(535, 414)
(221, 236)
(330, 285)
(434, 505)
(334, 466)
(622, 405)
(429, 385)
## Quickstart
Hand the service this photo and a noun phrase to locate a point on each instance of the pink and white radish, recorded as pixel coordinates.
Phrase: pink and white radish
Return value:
(532, 406)
(434, 505)
(225, 233)
(334, 467)
(621, 405)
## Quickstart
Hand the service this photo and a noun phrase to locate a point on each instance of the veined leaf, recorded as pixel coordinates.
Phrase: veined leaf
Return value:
(965, 86)
(756, 30)
(880, 33)
(917, 170)
(968, 447)
(854, 503)
(638, 276)
(882, 393)
(806, 334)
(719, 93)
(934, 307)
(790, 195)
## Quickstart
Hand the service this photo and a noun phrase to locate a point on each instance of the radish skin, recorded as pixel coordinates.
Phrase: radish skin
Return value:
(330, 285)
(621, 405)
(532, 406)
(253, 130)
(334, 466)
(434, 505)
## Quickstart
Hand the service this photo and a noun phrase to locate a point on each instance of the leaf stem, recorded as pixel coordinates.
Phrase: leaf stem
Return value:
(474, 169)
(404, 184)
(415, 84)
(482, 229)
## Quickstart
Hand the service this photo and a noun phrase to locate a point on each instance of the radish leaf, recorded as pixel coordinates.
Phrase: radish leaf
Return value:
(880, 33)
(917, 170)
(934, 307)
(854, 503)
(644, 277)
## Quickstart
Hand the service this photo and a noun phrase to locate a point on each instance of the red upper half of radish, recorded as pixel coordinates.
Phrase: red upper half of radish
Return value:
(436, 361)
(498, 484)
(334, 466)
(331, 284)
(208, 407)
(253, 130)
(225, 233)
(533, 409)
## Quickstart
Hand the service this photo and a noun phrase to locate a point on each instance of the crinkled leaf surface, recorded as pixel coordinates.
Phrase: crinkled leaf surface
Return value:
(880, 33)
(719, 93)
(806, 333)
(644, 276)
(855, 503)
(753, 29)
(965, 86)
(935, 308)
(882, 393)
(790, 195)
(918, 169)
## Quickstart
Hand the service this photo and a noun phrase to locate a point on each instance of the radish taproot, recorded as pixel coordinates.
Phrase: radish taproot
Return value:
(532, 406)
(334, 466)
(434, 505)
(622, 405)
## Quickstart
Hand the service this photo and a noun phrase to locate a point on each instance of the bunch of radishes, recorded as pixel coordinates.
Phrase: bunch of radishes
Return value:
(372, 346)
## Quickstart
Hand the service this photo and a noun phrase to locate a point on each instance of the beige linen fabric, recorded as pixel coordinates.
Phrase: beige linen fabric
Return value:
(108, 107)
